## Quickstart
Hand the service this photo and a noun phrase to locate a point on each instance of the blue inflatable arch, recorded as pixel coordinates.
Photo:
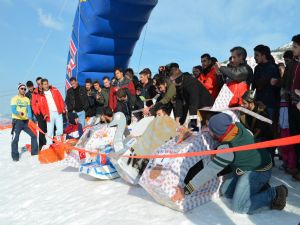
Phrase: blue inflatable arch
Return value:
(104, 36)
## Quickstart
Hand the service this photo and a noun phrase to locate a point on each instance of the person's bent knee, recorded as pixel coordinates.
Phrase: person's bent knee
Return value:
(241, 209)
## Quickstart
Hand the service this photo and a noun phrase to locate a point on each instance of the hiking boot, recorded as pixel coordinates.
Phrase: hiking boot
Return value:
(280, 200)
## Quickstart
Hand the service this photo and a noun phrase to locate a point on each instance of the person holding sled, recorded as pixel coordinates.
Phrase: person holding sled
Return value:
(249, 171)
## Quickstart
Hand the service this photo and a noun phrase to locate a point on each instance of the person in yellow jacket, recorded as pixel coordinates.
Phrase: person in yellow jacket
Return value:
(21, 114)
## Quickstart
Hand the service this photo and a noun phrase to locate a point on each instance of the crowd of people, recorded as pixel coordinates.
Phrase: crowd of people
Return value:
(271, 90)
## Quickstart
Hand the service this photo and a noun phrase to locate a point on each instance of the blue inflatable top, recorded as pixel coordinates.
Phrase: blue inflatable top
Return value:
(104, 36)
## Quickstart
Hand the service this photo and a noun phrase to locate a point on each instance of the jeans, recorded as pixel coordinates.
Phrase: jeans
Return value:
(81, 117)
(18, 126)
(57, 120)
(248, 191)
(270, 111)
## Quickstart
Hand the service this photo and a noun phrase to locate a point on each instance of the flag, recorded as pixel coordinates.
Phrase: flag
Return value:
(82, 155)
(68, 85)
(70, 67)
(73, 48)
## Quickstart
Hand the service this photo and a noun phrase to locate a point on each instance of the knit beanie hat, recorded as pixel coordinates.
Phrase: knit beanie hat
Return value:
(21, 85)
(219, 124)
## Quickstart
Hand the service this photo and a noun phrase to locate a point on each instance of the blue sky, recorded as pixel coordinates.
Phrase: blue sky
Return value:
(35, 35)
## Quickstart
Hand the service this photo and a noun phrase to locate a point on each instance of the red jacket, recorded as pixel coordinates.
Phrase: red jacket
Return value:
(238, 89)
(35, 102)
(58, 99)
(125, 83)
(209, 81)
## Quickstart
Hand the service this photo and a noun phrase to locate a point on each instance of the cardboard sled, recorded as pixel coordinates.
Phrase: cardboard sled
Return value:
(94, 139)
(162, 176)
(159, 131)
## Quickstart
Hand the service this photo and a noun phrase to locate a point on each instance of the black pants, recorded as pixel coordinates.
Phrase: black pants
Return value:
(43, 126)
(294, 122)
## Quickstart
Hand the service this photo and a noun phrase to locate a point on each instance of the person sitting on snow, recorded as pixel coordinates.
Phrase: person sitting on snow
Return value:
(250, 171)
(74, 129)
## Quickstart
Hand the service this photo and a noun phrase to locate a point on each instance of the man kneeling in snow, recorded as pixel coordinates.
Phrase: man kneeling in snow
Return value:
(250, 171)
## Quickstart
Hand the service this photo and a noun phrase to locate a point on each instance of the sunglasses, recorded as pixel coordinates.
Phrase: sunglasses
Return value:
(23, 89)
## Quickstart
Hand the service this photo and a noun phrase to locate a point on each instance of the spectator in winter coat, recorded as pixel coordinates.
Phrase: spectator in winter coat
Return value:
(294, 90)
(123, 105)
(29, 94)
(77, 101)
(250, 171)
(266, 77)
(90, 92)
(197, 70)
(167, 96)
(106, 89)
(191, 95)
(120, 82)
(139, 103)
(100, 99)
(261, 130)
(52, 107)
(74, 129)
(21, 114)
(130, 75)
(35, 101)
(286, 78)
(238, 75)
(148, 90)
(208, 76)
(30, 88)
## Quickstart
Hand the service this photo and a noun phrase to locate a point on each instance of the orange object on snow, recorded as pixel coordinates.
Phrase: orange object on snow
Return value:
(55, 153)
(5, 127)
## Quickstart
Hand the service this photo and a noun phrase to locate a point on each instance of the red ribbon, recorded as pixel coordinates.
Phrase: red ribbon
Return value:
(261, 145)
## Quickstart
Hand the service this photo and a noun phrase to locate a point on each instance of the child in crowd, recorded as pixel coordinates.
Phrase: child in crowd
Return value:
(74, 129)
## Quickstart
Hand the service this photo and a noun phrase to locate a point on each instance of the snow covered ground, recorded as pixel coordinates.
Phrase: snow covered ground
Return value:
(35, 194)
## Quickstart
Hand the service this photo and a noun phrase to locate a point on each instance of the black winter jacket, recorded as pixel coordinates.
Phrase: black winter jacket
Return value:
(70, 99)
(191, 95)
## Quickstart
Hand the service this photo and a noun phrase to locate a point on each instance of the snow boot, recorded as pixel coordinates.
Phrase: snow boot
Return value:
(280, 200)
